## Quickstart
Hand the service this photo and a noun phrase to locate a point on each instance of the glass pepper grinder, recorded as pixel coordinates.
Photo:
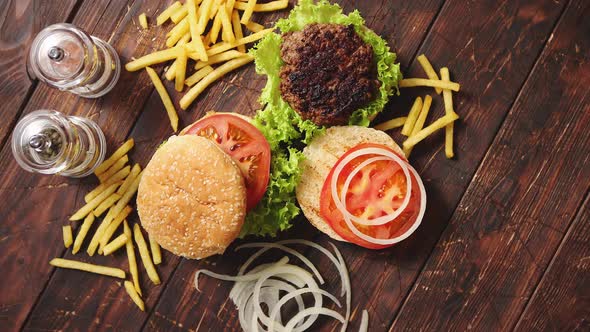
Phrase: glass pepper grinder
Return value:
(49, 142)
(67, 58)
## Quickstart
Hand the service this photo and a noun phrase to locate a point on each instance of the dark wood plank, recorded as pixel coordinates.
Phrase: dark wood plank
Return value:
(107, 300)
(522, 199)
(483, 34)
(181, 307)
(476, 40)
(562, 299)
(40, 204)
(19, 24)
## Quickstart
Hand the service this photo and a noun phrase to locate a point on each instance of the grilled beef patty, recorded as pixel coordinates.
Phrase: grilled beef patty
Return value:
(328, 73)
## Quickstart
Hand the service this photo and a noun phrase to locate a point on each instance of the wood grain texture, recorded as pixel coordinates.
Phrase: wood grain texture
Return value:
(181, 306)
(490, 47)
(562, 299)
(30, 245)
(396, 269)
(522, 199)
(476, 41)
(19, 24)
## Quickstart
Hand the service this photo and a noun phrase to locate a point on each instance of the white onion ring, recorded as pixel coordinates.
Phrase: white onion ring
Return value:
(260, 286)
(407, 233)
(346, 282)
(287, 250)
(364, 322)
(313, 311)
(295, 294)
(284, 269)
(247, 277)
(370, 222)
(337, 263)
(342, 206)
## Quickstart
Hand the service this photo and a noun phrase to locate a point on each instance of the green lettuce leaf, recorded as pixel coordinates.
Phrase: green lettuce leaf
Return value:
(286, 132)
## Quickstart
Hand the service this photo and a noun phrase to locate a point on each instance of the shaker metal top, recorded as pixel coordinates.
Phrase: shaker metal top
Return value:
(62, 55)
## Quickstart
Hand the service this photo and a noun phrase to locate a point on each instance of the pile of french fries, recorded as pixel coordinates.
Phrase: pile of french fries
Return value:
(210, 33)
(118, 184)
(413, 124)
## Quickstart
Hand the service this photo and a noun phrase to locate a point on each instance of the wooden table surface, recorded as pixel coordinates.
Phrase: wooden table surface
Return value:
(505, 243)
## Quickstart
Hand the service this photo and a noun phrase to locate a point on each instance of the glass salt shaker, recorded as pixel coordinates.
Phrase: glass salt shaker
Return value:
(49, 142)
(67, 58)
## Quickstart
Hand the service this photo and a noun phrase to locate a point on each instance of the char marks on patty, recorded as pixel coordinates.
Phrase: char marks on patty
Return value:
(329, 73)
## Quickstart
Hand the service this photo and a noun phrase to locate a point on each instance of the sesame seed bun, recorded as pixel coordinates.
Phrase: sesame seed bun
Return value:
(192, 197)
(320, 157)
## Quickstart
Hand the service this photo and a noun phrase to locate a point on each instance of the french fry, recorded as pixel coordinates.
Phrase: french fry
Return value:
(129, 179)
(115, 245)
(127, 195)
(412, 117)
(101, 237)
(154, 58)
(207, 40)
(229, 6)
(412, 82)
(448, 99)
(197, 47)
(170, 110)
(215, 28)
(92, 268)
(133, 294)
(248, 9)
(143, 21)
(113, 226)
(436, 125)
(181, 70)
(131, 257)
(192, 19)
(156, 252)
(86, 209)
(95, 241)
(227, 27)
(179, 15)
(67, 233)
(165, 15)
(113, 213)
(254, 27)
(144, 253)
(214, 9)
(177, 33)
(106, 204)
(217, 58)
(117, 177)
(196, 90)
(171, 72)
(391, 124)
(263, 7)
(430, 72)
(224, 46)
(419, 122)
(117, 166)
(83, 232)
(198, 75)
(120, 152)
(204, 15)
(235, 20)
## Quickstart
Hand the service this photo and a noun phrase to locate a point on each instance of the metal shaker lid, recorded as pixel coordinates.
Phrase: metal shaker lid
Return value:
(61, 55)
(40, 140)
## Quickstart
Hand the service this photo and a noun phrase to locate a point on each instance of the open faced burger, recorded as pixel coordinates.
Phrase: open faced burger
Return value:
(323, 68)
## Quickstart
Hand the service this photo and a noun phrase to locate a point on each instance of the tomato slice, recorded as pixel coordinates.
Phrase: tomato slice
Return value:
(245, 144)
(376, 190)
